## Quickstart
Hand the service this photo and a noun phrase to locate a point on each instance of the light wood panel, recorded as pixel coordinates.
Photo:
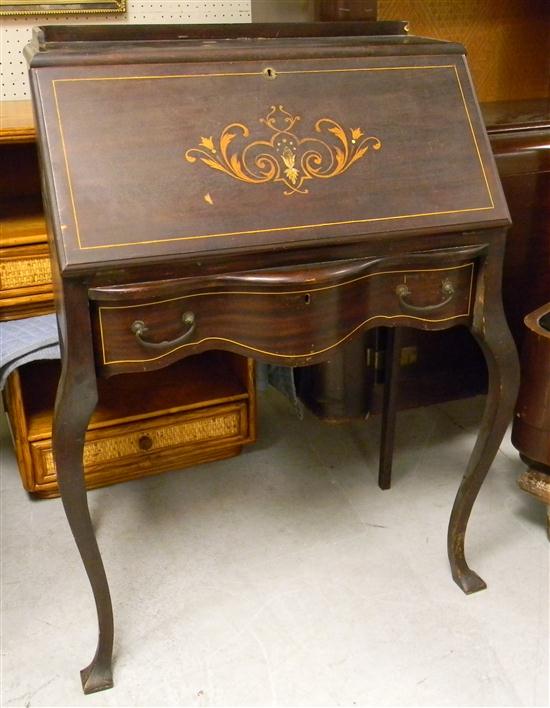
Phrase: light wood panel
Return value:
(16, 121)
(22, 229)
(508, 41)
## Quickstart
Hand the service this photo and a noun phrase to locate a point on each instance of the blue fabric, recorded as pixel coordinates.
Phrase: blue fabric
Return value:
(22, 341)
(34, 338)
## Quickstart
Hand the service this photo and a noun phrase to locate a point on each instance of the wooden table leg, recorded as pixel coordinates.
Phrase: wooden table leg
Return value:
(494, 338)
(389, 405)
(75, 403)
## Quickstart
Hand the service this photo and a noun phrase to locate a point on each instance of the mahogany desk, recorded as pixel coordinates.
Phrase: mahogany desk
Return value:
(268, 190)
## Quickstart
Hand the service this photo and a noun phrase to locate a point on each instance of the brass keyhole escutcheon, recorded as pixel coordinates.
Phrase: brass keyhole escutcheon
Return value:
(269, 72)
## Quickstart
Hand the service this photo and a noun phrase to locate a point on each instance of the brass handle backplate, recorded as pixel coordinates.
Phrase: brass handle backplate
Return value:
(402, 291)
(139, 329)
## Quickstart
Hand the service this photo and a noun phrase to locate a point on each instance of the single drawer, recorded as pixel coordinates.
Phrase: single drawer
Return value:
(164, 443)
(293, 318)
(20, 269)
(25, 282)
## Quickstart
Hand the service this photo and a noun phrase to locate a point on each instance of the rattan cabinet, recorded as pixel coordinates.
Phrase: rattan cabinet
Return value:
(198, 410)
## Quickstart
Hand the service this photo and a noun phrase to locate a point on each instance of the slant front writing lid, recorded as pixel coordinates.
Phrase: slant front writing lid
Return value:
(151, 160)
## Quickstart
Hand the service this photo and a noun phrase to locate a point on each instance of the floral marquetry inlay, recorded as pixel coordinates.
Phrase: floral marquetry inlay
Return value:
(284, 156)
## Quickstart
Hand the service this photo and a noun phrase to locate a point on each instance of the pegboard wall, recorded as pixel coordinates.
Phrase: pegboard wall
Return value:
(15, 31)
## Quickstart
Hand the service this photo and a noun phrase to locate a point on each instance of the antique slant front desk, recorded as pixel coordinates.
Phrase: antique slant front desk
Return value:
(272, 191)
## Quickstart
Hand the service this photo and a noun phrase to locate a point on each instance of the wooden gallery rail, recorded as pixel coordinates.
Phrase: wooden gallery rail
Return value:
(267, 190)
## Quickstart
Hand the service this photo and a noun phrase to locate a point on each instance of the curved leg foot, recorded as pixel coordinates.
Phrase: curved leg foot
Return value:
(466, 579)
(502, 362)
(75, 402)
(98, 676)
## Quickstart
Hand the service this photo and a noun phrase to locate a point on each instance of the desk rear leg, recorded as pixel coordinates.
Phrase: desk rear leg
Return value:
(75, 403)
(389, 405)
(499, 350)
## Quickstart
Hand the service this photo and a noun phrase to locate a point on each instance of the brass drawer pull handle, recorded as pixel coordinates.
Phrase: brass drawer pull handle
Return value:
(139, 328)
(402, 291)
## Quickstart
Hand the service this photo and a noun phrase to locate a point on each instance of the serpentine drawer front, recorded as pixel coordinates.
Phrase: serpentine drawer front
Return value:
(311, 317)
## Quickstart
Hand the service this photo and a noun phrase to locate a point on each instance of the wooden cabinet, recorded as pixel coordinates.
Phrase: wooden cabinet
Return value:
(520, 138)
(25, 273)
(198, 410)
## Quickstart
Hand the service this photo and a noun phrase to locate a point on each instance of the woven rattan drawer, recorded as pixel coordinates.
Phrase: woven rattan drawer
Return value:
(156, 445)
(25, 282)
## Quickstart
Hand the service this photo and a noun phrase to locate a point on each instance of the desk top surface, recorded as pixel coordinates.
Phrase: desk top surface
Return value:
(225, 146)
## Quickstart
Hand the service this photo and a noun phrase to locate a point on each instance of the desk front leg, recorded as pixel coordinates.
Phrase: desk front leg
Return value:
(75, 403)
(491, 331)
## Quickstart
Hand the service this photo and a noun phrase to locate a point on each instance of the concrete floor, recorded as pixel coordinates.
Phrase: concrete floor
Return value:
(285, 577)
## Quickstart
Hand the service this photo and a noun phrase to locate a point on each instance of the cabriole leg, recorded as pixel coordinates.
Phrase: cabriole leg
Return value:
(503, 369)
(75, 403)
